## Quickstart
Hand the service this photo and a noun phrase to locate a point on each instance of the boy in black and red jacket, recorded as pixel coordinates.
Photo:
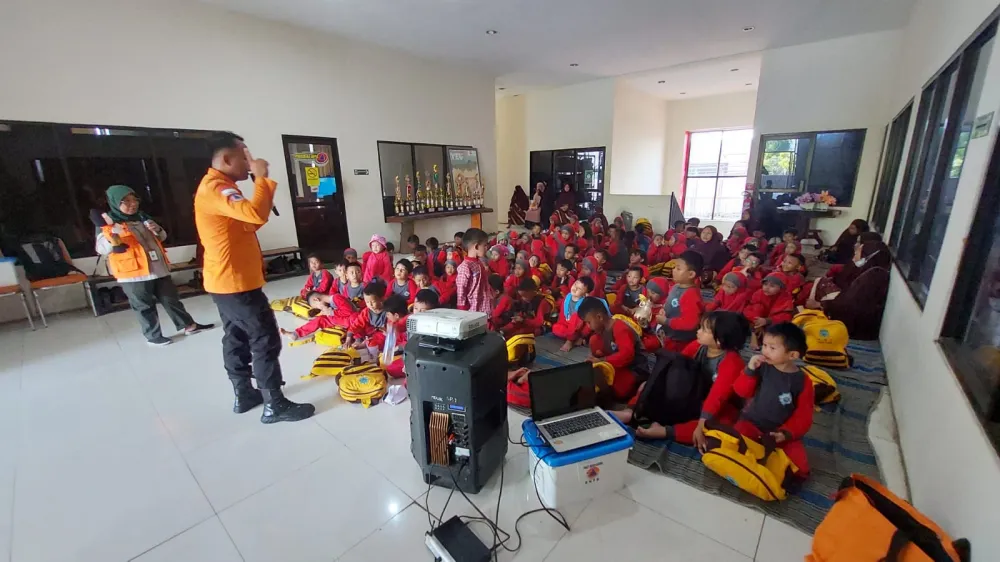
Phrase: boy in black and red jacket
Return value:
(523, 315)
(779, 396)
(319, 279)
(682, 310)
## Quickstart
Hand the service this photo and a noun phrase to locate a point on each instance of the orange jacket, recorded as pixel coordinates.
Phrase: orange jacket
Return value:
(227, 226)
(134, 262)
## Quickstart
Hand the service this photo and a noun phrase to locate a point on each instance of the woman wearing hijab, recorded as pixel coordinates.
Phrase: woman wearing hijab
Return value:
(861, 303)
(564, 213)
(534, 212)
(709, 245)
(518, 207)
(133, 243)
(842, 250)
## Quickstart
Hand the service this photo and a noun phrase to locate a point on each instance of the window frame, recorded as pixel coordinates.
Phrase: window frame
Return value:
(892, 162)
(718, 162)
(908, 251)
(811, 135)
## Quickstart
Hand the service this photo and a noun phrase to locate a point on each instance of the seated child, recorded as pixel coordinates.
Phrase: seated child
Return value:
(562, 237)
(513, 281)
(677, 243)
(732, 295)
(589, 268)
(420, 258)
(367, 328)
(496, 292)
(684, 306)
(377, 264)
(498, 261)
(422, 279)
(354, 289)
(535, 269)
(570, 326)
(738, 261)
(613, 341)
(458, 238)
(412, 241)
(779, 396)
(761, 241)
(319, 279)
(402, 285)
(426, 300)
(691, 234)
(351, 255)
(448, 284)
(390, 249)
(335, 310)
(572, 253)
(657, 290)
(738, 238)
(563, 280)
(435, 256)
(538, 248)
(659, 252)
(627, 297)
(794, 267)
(675, 230)
(721, 336)
(788, 237)
(617, 250)
(636, 258)
(753, 271)
(771, 304)
(524, 315)
(395, 318)
(339, 277)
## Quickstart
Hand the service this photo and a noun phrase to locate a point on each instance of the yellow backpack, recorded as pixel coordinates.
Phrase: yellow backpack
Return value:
(331, 337)
(282, 305)
(520, 350)
(749, 465)
(826, 340)
(332, 363)
(824, 386)
(301, 308)
(364, 384)
(606, 370)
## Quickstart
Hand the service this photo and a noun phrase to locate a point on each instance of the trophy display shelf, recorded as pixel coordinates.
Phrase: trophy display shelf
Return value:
(406, 221)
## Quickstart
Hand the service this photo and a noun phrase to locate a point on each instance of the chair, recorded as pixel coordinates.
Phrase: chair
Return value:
(11, 290)
(74, 278)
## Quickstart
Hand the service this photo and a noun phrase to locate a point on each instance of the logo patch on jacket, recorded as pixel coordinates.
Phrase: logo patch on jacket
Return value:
(785, 398)
(232, 194)
(675, 303)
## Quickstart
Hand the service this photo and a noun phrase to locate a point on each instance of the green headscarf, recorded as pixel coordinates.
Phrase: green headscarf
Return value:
(115, 195)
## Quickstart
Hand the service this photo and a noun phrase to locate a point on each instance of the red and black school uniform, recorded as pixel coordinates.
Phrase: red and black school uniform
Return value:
(513, 280)
(722, 405)
(448, 290)
(777, 402)
(776, 308)
(683, 309)
(561, 286)
(407, 290)
(320, 281)
(499, 267)
(533, 314)
(657, 290)
(658, 254)
(342, 313)
(619, 345)
(569, 325)
(368, 326)
(589, 268)
(627, 297)
(395, 369)
(735, 302)
(617, 255)
(354, 294)
(755, 278)
(777, 254)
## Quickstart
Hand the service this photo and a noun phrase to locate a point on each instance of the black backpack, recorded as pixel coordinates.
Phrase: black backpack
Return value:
(42, 258)
(674, 392)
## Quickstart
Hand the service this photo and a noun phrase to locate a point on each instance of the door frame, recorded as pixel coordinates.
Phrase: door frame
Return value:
(337, 173)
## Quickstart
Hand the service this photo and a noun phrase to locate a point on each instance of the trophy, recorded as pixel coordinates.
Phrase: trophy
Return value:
(408, 206)
(438, 200)
(419, 203)
(429, 195)
(396, 203)
(482, 191)
(460, 190)
(448, 195)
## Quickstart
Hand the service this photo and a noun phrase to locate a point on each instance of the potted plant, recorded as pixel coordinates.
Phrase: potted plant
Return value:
(825, 201)
(807, 201)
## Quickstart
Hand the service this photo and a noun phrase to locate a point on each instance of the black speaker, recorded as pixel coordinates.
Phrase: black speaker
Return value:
(458, 408)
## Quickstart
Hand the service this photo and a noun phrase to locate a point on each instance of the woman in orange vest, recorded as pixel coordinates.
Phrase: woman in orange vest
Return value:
(234, 275)
(133, 243)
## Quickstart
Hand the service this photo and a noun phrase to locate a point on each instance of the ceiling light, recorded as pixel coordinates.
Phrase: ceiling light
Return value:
(733, 69)
(748, 28)
(494, 32)
(573, 64)
(749, 83)
(501, 89)
(683, 93)
(662, 82)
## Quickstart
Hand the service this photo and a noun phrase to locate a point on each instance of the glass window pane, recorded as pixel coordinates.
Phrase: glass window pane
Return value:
(699, 197)
(729, 199)
(735, 159)
(395, 161)
(956, 157)
(784, 163)
(703, 156)
(834, 165)
(982, 333)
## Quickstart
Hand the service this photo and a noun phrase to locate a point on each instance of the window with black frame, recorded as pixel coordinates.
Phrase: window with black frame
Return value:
(52, 175)
(971, 333)
(892, 159)
(811, 162)
(581, 168)
(942, 132)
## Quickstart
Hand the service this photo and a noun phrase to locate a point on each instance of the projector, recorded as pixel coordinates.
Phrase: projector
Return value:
(447, 324)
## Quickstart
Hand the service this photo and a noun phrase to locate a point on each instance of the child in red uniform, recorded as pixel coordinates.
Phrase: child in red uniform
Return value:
(472, 277)
(535, 268)
(526, 314)
(794, 267)
(412, 241)
(376, 264)
(366, 328)
(354, 289)
(788, 237)
(732, 295)
(739, 260)
(319, 279)
(684, 306)
(753, 270)
(420, 258)
(513, 281)
(435, 256)
(659, 252)
(677, 243)
(572, 253)
(563, 280)
(498, 261)
(737, 238)
(402, 285)
(617, 250)
(570, 326)
(351, 255)
(779, 395)
(335, 310)
(627, 297)
(422, 279)
(339, 277)
(427, 299)
(447, 285)
(657, 290)
(771, 304)
(590, 268)
(395, 319)
(721, 336)
(615, 342)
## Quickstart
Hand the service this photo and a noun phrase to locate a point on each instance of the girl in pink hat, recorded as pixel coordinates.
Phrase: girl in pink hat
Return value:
(376, 264)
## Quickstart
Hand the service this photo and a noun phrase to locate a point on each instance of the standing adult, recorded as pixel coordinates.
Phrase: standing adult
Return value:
(518, 207)
(133, 243)
(534, 214)
(234, 275)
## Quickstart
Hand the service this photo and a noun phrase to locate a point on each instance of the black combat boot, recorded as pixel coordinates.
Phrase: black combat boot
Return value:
(277, 408)
(247, 397)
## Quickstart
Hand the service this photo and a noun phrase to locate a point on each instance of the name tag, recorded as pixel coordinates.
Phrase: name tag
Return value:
(154, 255)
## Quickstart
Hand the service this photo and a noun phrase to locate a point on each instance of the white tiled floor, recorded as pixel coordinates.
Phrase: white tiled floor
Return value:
(113, 451)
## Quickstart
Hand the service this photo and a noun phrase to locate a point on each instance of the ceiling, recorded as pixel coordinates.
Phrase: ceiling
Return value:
(538, 40)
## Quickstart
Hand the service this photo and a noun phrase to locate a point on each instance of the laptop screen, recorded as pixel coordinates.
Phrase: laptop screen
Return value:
(562, 390)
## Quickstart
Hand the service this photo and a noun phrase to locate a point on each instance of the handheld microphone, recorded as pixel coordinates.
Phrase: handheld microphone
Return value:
(274, 208)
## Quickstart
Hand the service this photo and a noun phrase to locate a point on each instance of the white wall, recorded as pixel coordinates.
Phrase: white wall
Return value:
(953, 471)
(512, 151)
(837, 84)
(639, 139)
(727, 111)
(189, 65)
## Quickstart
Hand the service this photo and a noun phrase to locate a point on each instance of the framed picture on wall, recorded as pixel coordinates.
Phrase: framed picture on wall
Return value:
(464, 169)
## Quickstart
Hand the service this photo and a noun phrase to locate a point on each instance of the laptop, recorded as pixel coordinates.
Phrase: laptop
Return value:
(564, 407)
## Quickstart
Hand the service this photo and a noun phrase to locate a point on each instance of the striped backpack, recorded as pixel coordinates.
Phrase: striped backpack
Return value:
(826, 340)
(363, 384)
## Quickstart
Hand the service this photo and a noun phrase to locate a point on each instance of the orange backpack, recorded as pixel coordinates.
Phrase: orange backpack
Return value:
(868, 523)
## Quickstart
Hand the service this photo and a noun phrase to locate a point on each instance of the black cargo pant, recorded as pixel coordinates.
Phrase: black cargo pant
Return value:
(143, 297)
(250, 336)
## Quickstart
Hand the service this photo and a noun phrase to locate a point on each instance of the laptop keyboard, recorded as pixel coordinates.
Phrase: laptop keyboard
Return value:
(570, 426)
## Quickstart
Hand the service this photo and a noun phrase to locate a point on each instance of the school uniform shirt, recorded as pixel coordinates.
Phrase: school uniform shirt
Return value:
(510, 284)
(776, 401)
(755, 278)
(354, 294)
(500, 267)
(619, 346)
(683, 308)
(569, 325)
(627, 297)
(472, 286)
(562, 285)
(658, 254)
(533, 314)
(776, 308)
(777, 255)
(618, 255)
(376, 266)
(343, 313)
(722, 401)
(735, 302)
(447, 290)
(407, 290)
(321, 282)
(730, 266)
(368, 325)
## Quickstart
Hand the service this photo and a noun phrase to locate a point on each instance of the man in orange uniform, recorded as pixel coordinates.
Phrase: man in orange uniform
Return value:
(234, 274)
